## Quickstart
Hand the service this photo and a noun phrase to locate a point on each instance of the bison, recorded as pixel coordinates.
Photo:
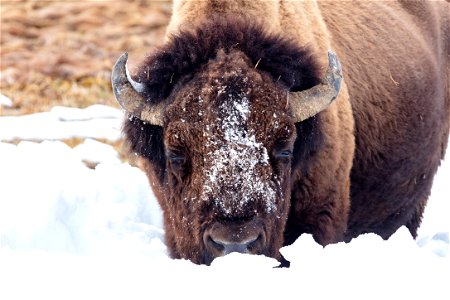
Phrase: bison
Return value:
(252, 132)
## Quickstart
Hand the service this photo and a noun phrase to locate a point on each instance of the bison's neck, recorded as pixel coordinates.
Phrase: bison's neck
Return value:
(188, 13)
(300, 20)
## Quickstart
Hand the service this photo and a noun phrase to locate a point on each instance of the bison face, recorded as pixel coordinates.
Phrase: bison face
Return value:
(214, 116)
(228, 144)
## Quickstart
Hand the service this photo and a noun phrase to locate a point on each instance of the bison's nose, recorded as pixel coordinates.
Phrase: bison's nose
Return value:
(224, 238)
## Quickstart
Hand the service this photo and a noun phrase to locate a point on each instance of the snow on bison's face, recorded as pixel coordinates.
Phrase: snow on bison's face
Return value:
(229, 141)
(217, 143)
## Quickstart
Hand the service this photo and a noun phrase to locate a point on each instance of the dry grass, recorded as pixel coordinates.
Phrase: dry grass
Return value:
(45, 92)
(61, 53)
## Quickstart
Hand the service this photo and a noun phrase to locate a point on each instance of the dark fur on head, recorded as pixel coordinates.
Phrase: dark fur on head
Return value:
(182, 56)
(175, 63)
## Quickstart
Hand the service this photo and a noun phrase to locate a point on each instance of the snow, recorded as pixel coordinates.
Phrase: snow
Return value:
(236, 162)
(96, 152)
(72, 232)
(56, 203)
(5, 101)
(96, 121)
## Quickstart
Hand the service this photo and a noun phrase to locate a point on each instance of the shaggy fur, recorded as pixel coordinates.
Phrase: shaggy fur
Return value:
(366, 164)
(188, 50)
(403, 132)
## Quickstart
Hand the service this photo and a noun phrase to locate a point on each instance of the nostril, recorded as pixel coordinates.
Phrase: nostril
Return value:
(256, 244)
(215, 245)
(251, 245)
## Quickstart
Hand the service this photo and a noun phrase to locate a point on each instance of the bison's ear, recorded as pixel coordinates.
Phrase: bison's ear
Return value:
(130, 94)
(308, 103)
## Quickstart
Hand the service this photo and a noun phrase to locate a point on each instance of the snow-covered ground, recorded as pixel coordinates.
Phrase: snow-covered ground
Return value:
(96, 121)
(71, 232)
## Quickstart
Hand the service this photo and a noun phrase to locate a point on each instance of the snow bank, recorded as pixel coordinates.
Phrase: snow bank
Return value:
(51, 201)
(369, 269)
(96, 121)
(5, 101)
(71, 232)
(95, 152)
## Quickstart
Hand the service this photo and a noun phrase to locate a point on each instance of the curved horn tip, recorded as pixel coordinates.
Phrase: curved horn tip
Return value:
(334, 63)
(120, 63)
(334, 74)
(117, 72)
(121, 75)
(123, 57)
(129, 94)
(332, 57)
(312, 101)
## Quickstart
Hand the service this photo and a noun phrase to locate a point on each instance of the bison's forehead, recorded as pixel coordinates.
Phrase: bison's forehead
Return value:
(236, 164)
(230, 96)
(234, 118)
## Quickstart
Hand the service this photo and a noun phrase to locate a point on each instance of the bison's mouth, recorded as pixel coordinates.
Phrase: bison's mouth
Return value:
(225, 237)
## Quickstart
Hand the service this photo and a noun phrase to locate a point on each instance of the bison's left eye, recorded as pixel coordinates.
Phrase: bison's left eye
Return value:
(283, 154)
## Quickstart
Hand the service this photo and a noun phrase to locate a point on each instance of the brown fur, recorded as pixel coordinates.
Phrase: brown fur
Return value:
(402, 134)
(365, 164)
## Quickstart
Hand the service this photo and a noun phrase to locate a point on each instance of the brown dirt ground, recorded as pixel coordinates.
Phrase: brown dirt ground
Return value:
(62, 52)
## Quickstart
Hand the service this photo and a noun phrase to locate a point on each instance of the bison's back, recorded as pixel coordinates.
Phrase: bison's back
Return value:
(396, 70)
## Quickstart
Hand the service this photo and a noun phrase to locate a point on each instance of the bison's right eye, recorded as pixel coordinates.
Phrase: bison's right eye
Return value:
(178, 164)
(283, 154)
(176, 157)
(282, 151)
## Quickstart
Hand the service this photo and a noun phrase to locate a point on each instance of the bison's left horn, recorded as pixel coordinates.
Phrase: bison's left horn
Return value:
(308, 103)
(129, 94)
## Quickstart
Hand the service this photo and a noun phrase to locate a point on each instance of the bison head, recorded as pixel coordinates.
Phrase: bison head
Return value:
(213, 117)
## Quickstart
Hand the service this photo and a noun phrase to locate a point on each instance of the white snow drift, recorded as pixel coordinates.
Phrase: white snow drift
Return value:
(70, 232)
(96, 121)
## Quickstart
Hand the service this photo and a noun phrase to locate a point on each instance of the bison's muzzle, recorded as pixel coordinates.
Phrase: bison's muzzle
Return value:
(242, 237)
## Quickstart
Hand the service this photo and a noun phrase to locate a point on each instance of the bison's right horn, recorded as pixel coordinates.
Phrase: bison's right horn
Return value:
(308, 103)
(129, 94)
